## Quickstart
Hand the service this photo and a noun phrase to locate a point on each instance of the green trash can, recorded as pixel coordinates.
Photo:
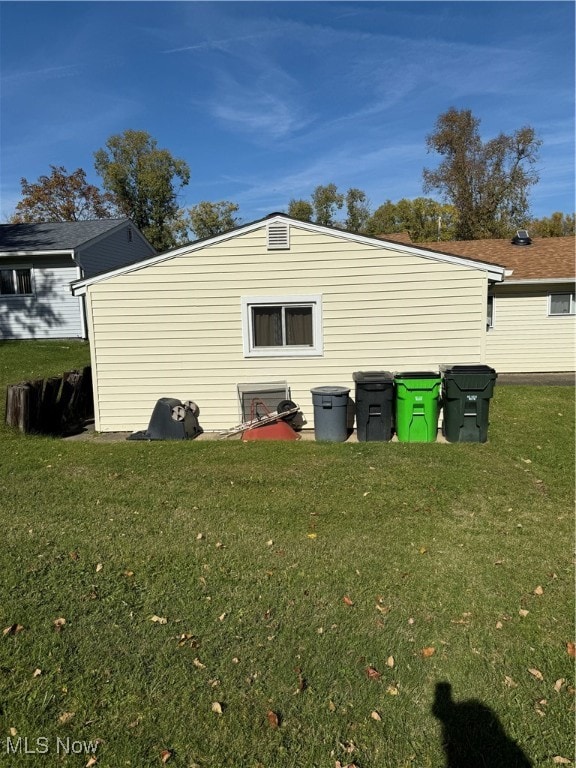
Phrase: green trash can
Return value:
(466, 394)
(417, 406)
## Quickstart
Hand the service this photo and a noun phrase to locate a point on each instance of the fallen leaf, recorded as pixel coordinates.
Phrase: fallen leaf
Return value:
(199, 537)
(390, 661)
(428, 651)
(158, 619)
(347, 600)
(423, 550)
(558, 684)
(523, 612)
(302, 685)
(312, 535)
(375, 716)
(99, 567)
(165, 755)
(527, 461)
(13, 731)
(383, 608)
(37, 672)
(538, 590)
(92, 761)
(509, 682)
(217, 707)
(270, 543)
(392, 690)
(366, 493)
(222, 616)
(59, 624)
(272, 718)
(410, 621)
(331, 706)
(537, 674)
(372, 673)
(560, 760)
(571, 649)
(219, 545)
(128, 574)
(74, 555)
(198, 664)
(13, 629)
(499, 625)
(65, 717)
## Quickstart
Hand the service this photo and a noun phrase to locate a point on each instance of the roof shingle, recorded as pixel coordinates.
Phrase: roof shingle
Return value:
(56, 236)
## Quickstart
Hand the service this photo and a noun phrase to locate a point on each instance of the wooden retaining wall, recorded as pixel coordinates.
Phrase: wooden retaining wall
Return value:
(56, 406)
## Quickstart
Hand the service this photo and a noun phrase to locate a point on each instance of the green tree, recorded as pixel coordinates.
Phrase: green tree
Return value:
(423, 218)
(301, 210)
(487, 182)
(326, 200)
(209, 219)
(357, 210)
(144, 182)
(557, 225)
(62, 196)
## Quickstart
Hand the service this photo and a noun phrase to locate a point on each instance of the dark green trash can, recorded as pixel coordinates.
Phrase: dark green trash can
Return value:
(374, 403)
(466, 394)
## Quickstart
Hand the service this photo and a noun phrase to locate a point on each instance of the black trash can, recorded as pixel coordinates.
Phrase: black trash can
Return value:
(330, 413)
(374, 405)
(466, 394)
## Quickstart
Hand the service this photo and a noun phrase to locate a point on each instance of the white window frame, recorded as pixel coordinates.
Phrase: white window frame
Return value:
(12, 268)
(307, 300)
(490, 321)
(562, 314)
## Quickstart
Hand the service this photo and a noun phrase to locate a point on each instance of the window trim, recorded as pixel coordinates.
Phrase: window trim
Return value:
(572, 311)
(14, 268)
(312, 300)
(491, 299)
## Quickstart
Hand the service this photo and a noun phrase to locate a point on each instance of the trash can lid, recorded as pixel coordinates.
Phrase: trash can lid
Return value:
(418, 375)
(466, 369)
(373, 376)
(330, 390)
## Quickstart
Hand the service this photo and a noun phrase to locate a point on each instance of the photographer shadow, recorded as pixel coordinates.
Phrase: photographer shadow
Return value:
(472, 735)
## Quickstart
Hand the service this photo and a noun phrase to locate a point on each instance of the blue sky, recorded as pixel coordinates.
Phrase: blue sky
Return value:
(266, 100)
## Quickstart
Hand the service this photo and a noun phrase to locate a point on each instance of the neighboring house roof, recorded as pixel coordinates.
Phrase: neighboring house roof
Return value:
(546, 259)
(495, 272)
(56, 236)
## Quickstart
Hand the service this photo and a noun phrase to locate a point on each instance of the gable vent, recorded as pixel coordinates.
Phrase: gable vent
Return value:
(278, 237)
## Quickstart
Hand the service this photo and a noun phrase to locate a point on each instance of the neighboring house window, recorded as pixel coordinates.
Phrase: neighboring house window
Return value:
(15, 282)
(282, 326)
(490, 312)
(561, 304)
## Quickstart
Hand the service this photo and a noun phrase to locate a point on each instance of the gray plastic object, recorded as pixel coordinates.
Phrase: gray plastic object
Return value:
(330, 413)
(171, 420)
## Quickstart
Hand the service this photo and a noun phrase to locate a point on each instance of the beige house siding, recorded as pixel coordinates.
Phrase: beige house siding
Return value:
(524, 337)
(175, 328)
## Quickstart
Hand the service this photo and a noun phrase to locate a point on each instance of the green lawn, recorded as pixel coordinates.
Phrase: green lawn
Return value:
(204, 573)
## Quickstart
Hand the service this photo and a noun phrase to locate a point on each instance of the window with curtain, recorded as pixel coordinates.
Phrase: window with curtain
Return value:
(15, 282)
(282, 326)
(561, 304)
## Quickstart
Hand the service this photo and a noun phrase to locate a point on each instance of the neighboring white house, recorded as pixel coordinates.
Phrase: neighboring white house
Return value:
(532, 317)
(277, 300)
(39, 261)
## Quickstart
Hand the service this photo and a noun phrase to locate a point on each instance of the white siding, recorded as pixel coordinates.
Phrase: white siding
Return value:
(174, 329)
(525, 339)
(52, 312)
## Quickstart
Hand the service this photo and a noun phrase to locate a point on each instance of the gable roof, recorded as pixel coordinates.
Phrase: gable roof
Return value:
(547, 258)
(54, 236)
(494, 272)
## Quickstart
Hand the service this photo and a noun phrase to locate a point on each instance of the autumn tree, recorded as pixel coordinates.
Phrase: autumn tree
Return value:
(557, 225)
(301, 210)
(144, 182)
(61, 196)
(209, 219)
(487, 182)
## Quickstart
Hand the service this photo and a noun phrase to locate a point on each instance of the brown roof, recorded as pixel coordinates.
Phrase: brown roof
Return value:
(547, 258)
